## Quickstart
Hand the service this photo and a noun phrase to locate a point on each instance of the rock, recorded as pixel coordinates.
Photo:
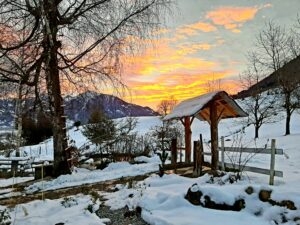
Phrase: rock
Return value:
(285, 203)
(59, 223)
(289, 204)
(249, 190)
(264, 195)
(130, 195)
(237, 206)
(193, 195)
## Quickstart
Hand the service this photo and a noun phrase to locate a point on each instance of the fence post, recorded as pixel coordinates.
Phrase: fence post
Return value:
(174, 151)
(222, 154)
(14, 167)
(272, 166)
(201, 146)
(197, 159)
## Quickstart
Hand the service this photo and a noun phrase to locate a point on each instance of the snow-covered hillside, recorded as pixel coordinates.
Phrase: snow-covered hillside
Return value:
(162, 199)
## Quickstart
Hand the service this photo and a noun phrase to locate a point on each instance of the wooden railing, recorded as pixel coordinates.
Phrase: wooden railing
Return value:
(198, 159)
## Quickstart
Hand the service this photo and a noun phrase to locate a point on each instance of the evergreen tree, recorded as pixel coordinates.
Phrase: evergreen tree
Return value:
(100, 128)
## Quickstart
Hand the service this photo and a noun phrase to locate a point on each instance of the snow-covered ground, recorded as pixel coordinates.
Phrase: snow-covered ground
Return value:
(72, 210)
(14, 180)
(162, 199)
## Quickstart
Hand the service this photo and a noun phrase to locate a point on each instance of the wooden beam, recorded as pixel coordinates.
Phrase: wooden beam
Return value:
(181, 120)
(253, 150)
(214, 135)
(193, 117)
(188, 138)
(205, 115)
(254, 169)
(220, 114)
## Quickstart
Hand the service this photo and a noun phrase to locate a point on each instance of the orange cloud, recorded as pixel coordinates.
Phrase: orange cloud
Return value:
(193, 29)
(180, 85)
(205, 27)
(233, 18)
(163, 59)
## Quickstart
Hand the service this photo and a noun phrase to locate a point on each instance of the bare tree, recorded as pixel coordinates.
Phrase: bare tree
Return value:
(213, 84)
(275, 48)
(166, 106)
(80, 39)
(260, 105)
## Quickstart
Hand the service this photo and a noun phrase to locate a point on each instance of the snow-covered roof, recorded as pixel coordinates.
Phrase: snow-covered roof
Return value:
(198, 107)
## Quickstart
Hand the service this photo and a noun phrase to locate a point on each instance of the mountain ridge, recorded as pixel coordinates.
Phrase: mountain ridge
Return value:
(79, 108)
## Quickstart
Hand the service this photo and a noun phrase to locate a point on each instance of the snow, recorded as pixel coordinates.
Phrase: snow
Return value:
(191, 106)
(70, 211)
(162, 199)
(84, 176)
(163, 202)
(14, 180)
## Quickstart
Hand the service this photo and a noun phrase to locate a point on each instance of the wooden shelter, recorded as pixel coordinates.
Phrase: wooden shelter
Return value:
(210, 107)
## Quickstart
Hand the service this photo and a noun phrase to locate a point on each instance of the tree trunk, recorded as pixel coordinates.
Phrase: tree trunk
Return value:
(256, 131)
(19, 120)
(288, 112)
(214, 136)
(287, 123)
(60, 143)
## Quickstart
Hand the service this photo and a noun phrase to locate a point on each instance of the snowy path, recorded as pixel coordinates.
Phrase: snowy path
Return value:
(14, 197)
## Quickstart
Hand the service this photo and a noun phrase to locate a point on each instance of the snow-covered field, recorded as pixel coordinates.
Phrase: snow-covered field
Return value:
(162, 199)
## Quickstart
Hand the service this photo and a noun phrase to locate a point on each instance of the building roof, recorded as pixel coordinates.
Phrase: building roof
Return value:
(199, 107)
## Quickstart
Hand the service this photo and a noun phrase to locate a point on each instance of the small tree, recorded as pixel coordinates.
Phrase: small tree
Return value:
(260, 106)
(166, 105)
(275, 47)
(100, 128)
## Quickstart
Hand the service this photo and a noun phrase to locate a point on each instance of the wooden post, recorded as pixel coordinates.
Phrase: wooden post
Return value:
(272, 166)
(214, 136)
(181, 154)
(174, 151)
(197, 159)
(188, 138)
(14, 167)
(43, 181)
(201, 146)
(222, 153)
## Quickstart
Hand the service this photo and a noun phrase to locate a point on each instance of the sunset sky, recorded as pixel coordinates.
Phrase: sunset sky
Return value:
(204, 40)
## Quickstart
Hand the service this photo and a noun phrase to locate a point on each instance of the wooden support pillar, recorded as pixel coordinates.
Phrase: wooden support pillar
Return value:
(214, 135)
(188, 138)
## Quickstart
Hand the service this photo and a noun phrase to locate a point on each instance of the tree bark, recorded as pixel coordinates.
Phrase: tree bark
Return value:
(214, 136)
(288, 112)
(60, 143)
(256, 131)
(287, 123)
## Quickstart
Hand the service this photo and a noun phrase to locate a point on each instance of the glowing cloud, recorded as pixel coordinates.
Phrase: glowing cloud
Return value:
(233, 18)
(193, 29)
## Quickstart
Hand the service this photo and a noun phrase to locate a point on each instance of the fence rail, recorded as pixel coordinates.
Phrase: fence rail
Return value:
(273, 151)
(198, 160)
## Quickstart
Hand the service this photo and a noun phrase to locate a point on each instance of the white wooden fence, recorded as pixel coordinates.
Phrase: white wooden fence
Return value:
(243, 167)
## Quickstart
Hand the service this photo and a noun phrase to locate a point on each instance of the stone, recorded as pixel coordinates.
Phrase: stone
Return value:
(237, 206)
(249, 190)
(265, 195)
(193, 195)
